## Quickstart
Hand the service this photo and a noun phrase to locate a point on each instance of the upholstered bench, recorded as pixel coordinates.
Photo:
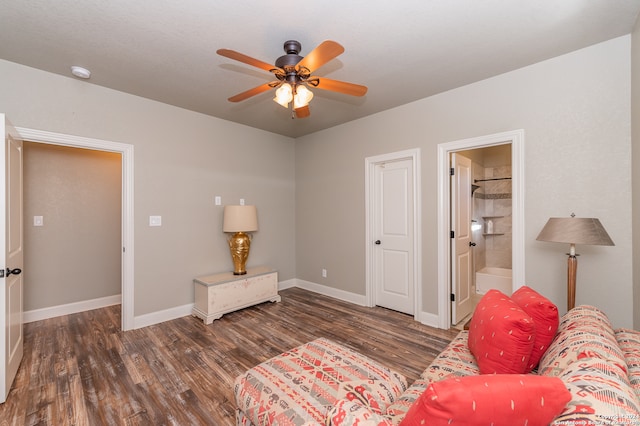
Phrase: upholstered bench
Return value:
(301, 385)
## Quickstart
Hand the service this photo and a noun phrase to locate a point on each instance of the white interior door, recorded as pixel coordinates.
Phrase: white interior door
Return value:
(11, 230)
(394, 277)
(461, 249)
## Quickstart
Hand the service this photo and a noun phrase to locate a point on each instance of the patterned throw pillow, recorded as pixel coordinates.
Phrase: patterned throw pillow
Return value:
(501, 335)
(497, 399)
(544, 315)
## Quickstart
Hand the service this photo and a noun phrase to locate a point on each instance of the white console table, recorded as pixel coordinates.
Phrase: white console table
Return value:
(218, 294)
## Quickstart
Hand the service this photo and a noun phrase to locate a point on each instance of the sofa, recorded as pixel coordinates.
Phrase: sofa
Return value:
(574, 370)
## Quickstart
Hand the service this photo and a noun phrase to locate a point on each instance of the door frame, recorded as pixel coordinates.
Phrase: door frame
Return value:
(516, 139)
(370, 165)
(126, 150)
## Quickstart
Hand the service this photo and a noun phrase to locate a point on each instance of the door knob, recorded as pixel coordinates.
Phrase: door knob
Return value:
(378, 242)
(472, 244)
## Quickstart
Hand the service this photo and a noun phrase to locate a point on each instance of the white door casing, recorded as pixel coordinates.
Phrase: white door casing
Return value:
(11, 230)
(461, 251)
(516, 139)
(393, 270)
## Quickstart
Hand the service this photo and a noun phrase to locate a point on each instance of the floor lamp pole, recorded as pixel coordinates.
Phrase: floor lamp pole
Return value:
(572, 264)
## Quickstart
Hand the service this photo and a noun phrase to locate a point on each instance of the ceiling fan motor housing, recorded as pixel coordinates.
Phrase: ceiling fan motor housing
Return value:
(290, 60)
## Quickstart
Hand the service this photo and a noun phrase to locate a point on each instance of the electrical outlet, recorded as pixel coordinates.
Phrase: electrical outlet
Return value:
(324, 273)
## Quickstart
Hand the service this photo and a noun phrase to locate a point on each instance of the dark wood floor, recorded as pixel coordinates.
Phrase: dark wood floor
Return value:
(81, 369)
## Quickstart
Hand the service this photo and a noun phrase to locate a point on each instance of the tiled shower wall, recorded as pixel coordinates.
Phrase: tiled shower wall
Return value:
(493, 201)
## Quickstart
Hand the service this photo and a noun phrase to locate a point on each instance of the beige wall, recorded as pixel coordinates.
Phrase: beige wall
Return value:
(575, 112)
(76, 255)
(182, 160)
(635, 131)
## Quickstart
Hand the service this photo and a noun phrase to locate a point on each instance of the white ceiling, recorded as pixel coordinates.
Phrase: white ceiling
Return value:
(402, 50)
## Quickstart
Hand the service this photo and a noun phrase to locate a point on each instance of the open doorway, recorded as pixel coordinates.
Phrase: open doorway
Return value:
(127, 231)
(483, 215)
(481, 209)
(72, 211)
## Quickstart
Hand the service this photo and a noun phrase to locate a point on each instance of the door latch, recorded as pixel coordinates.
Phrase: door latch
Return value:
(7, 272)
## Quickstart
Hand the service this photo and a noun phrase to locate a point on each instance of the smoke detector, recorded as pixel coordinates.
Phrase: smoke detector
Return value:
(80, 72)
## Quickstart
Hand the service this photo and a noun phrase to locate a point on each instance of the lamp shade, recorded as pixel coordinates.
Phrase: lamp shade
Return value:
(575, 230)
(240, 219)
(303, 97)
(284, 95)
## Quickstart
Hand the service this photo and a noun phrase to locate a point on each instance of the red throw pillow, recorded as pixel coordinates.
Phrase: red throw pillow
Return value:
(496, 399)
(544, 315)
(501, 335)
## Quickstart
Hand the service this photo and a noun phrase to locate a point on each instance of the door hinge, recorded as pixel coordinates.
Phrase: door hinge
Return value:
(453, 297)
(2, 273)
(452, 234)
(451, 172)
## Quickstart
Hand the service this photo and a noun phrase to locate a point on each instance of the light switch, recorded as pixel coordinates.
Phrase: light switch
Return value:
(218, 200)
(155, 220)
(38, 221)
(242, 201)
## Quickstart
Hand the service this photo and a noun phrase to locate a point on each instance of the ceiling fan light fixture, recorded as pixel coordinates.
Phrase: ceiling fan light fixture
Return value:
(303, 97)
(284, 95)
(294, 76)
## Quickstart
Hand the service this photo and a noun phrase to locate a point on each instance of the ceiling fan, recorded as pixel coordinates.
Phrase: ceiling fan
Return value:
(293, 73)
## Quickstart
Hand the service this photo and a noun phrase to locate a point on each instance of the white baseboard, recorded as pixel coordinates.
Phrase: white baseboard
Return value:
(157, 317)
(426, 318)
(283, 285)
(162, 316)
(70, 308)
(347, 296)
(432, 320)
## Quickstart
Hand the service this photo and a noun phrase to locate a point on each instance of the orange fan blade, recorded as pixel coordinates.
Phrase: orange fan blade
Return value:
(326, 51)
(252, 92)
(302, 112)
(232, 54)
(339, 86)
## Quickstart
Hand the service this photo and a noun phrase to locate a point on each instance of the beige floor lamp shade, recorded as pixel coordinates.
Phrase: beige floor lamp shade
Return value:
(240, 220)
(574, 230)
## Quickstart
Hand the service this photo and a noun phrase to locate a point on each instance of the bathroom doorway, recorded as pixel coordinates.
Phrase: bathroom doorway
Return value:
(496, 224)
(489, 221)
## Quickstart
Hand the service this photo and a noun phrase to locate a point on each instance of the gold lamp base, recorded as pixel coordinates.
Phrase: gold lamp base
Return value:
(239, 245)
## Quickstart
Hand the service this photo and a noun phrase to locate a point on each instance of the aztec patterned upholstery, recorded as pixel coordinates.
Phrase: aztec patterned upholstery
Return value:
(323, 383)
(300, 386)
(629, 341)
(586, 355)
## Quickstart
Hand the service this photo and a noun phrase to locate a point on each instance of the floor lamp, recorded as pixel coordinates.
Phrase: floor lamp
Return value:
(574, 230)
